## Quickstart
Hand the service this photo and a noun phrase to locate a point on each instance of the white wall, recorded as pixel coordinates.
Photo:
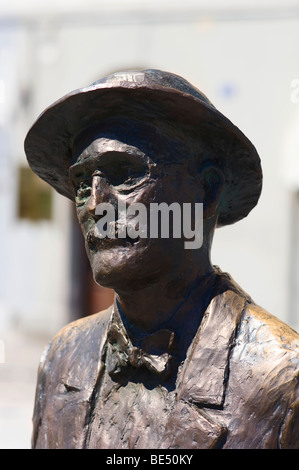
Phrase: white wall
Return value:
(34, 268)
(244, 64)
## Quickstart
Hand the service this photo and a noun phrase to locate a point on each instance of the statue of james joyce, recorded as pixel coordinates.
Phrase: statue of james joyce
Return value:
(183, 358)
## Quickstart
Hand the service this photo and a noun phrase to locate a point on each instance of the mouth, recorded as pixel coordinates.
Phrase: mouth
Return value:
(95, 243)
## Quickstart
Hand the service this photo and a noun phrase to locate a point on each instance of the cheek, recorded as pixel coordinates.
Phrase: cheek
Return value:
(175, 187)
(86, 221)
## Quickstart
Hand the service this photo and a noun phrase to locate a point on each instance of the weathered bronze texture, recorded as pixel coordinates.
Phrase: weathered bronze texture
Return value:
(183, 358)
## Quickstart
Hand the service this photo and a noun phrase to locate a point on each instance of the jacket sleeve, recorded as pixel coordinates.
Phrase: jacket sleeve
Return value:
(40, 394)
(289, 438)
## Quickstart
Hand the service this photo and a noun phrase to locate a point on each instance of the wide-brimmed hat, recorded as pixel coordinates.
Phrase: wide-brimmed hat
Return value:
(155, 97)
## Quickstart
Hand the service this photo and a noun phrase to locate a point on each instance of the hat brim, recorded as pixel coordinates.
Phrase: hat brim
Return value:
(49, 142)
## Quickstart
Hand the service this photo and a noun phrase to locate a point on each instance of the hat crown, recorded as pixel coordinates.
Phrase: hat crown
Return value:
(152, 78)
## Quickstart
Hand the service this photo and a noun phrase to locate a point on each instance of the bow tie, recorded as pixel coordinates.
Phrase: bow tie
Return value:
(124, 354)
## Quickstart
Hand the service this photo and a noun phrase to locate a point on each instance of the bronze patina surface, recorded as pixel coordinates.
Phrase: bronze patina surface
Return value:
(184, 358)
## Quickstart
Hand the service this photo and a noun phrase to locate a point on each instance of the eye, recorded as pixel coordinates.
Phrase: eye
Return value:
(123, 170)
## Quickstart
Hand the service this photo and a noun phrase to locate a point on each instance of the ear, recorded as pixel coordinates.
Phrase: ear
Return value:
(212, 182)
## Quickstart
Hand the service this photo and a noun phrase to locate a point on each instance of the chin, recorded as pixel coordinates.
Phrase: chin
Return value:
(116, 267)
(128, 268)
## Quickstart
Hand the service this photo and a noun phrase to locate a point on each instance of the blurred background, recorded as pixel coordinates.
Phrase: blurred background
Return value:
(243, 54)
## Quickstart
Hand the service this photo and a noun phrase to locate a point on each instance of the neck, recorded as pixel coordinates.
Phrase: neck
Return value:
(156, 306)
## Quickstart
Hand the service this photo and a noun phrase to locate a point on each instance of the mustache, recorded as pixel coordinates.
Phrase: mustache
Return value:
(96, 241)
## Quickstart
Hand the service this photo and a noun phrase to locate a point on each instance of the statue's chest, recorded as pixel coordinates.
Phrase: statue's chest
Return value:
(129, 416)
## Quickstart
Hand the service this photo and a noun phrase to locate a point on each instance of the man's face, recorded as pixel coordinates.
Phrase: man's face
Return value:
(116, 171)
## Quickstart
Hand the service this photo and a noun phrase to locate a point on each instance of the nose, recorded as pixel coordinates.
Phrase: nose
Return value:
(101, 191)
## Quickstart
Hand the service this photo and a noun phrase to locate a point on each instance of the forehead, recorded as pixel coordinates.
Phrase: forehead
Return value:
(143, 140)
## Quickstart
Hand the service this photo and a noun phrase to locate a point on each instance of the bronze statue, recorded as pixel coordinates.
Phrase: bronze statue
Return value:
(183, 358)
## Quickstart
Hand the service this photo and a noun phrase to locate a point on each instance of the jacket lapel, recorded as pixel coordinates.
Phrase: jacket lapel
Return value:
(84, 362)
(202, 382)
(203, 378)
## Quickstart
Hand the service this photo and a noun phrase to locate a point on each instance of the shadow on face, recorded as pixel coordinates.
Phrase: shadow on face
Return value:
(121, 169)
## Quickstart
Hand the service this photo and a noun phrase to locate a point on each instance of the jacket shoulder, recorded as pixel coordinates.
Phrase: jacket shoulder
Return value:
(266, 329)
(267, 345)
(79, 334)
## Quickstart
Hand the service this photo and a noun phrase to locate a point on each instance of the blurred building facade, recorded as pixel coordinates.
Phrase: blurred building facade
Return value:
(245, 60)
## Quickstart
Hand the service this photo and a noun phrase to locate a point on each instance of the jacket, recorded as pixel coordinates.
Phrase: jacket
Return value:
(237, 389)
